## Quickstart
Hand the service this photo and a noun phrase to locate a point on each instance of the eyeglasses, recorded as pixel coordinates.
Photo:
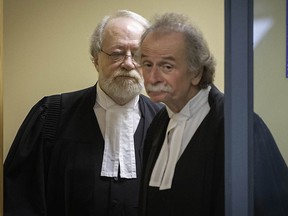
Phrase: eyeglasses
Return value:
(120, 56)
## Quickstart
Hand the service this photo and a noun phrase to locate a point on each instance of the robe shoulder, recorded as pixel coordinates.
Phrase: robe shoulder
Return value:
(270, 173)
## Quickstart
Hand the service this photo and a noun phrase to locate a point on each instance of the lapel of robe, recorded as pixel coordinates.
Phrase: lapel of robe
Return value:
(155, 143)
(152, 147)
(146, 117)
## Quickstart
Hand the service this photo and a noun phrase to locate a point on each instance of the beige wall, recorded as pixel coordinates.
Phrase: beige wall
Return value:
(271, 86)
(1, 107)
(46, 46)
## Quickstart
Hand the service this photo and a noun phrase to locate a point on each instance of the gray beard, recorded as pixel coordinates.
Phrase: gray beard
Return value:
(122, 89)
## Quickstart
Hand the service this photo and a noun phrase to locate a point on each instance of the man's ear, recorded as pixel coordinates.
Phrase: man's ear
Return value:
(197, 77)
(95, 62)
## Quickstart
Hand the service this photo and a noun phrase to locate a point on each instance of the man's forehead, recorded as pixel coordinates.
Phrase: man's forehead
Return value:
(124, 22)
(171, 37)
(163, 40)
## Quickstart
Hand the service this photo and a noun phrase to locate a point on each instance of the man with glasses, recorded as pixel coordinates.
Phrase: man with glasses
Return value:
(80, 153)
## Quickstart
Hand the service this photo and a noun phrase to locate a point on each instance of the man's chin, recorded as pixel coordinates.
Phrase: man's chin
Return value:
(157, 96)
(122, 86)
(126, 79)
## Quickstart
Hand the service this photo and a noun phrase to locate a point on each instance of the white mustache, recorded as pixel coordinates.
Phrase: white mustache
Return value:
(132, 74)
(158, 88)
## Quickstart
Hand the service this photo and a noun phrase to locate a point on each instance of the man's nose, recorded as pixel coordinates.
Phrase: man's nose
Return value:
(128, 62)
(153, 76)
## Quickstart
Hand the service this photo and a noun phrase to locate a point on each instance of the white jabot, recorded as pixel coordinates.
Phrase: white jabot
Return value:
(182, 126)
(117, 124)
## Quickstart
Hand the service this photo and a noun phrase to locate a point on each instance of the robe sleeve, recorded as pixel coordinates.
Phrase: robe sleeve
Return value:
(25, 167)
(270, 174)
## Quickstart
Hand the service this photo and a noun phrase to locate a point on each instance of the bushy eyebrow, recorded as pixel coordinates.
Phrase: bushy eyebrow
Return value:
(169, 58)
(124, 47)
(143, 55)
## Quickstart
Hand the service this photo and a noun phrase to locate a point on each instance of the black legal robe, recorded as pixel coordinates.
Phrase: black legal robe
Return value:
(198, 183)
(53, 166)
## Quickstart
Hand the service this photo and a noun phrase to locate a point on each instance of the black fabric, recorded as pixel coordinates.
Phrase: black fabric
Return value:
(53, 166)
(270, 174)
(198, 183)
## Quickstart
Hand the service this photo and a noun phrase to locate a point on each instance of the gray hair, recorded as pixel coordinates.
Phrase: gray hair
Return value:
(198, 55)
(97, 36)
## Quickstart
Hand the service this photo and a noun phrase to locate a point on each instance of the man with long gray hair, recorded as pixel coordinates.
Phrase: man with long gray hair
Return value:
(184, 156)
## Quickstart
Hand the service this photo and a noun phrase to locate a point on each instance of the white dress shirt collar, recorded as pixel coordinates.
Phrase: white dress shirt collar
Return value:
(120, 123)
(182, 126)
